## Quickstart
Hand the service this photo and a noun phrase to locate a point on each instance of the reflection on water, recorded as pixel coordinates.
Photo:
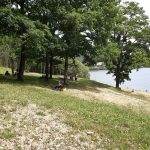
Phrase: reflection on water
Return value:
(140, 80)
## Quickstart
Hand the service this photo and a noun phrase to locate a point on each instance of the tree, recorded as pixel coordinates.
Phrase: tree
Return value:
(86, 27)
(48, 13)
(128, 44)
(71, 31)
(99, 21)
(8, 30)
(33, 35)
(10, 45)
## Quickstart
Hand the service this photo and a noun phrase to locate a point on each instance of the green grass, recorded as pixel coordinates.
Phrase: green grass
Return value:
(3, 70)
(124, 128)
(40, 113)
(8, 134)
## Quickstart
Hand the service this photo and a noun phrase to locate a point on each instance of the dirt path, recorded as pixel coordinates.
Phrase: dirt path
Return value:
(107, 95)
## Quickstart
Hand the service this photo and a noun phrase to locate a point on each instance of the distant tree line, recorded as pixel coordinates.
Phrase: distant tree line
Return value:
(42, 34)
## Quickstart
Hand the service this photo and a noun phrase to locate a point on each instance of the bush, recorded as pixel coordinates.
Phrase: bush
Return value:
(80, 69)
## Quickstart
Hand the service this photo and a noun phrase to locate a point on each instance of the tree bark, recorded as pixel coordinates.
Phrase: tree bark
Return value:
(117, 82)
(12, 66)
(51, 66)
(118, 74)
(66, 66)
(22, 53)
(22, 64)
(47, 67)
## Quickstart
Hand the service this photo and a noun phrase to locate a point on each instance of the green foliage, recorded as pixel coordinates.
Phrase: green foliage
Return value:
(82, 70)
(47, 29)
(99, 21)
(31, 35)
(128, 46)
(8, 134)
(32, 42)
(7, 23)
(9, 48)
(75, 67)
(9, 44)
(40, 113)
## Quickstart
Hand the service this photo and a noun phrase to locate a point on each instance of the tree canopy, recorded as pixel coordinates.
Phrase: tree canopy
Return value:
(128, 45)
(49, 31)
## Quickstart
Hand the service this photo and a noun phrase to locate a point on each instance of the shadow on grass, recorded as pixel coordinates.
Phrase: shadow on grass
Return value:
(85, 84)
(36, 80)
(29, 80)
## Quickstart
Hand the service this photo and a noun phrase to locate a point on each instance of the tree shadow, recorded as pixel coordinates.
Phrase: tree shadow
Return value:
(85, 84)
(29, 80)
(34, 80)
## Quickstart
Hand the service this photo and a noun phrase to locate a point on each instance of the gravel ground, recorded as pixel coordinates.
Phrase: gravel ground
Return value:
(34, 128)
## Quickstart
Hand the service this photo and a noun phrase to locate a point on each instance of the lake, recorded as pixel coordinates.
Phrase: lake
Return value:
(140, 80)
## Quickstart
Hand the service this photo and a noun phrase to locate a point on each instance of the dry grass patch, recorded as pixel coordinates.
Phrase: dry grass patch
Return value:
(33, 127)
(111, 96)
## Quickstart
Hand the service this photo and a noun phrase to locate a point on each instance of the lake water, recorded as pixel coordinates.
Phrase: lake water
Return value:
(140, 80)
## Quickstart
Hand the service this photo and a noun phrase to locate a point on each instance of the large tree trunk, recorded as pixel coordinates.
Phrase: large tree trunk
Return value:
(51, 66)
(47, 67)
(22, 54)
(118, 74)
(66, 66)
(117, 82)
(22, 64)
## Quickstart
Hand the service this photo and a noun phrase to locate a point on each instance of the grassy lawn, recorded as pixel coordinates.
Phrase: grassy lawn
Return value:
(123, 128)
(3, 70)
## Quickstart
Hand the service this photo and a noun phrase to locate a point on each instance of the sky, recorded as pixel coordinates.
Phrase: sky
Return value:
(146, 6)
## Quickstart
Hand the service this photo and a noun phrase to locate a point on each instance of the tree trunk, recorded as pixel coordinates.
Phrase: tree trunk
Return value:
(118, 74)
(51, 66)
(22, 64)
(66, 67)
(117, 82)
(12, 66)
(41, 71)
(47, 67)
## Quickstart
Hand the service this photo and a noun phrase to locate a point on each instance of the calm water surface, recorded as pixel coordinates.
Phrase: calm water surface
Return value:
(140, 80)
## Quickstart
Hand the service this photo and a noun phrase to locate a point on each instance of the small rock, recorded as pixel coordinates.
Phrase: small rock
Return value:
(90, 133)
